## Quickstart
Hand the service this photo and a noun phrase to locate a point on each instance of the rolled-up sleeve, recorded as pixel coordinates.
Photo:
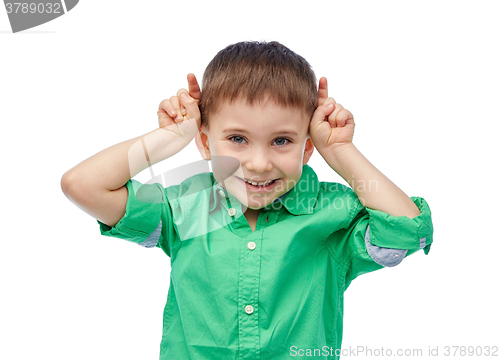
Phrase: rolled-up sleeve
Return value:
(147, 221)
(373, 239)
(401, 232)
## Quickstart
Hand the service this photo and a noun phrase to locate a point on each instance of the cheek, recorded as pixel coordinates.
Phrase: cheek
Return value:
(291, 165)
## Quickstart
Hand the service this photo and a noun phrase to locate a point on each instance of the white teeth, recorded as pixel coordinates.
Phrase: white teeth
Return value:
(261, 184)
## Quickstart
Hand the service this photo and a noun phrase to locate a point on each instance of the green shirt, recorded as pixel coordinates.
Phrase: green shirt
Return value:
(238, 294)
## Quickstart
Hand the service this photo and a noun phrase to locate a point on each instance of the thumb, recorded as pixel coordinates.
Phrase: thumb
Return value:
(321, 113)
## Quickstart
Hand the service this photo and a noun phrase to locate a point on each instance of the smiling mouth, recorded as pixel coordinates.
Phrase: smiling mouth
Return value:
(259, 184)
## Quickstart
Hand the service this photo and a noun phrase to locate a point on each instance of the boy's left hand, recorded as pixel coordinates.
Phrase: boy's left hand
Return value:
(331, 125)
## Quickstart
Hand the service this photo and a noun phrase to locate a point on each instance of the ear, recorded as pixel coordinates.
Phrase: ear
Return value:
(308, 150)
(202, 144)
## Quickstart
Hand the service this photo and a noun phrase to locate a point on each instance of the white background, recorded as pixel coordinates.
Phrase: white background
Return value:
(421, 79)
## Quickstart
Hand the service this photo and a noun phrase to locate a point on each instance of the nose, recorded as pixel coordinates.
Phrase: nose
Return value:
(259, 161)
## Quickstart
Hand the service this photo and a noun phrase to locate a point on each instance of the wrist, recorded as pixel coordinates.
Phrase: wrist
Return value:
(336, 155)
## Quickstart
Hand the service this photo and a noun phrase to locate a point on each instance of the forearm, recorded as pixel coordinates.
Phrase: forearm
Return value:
(111, 168)
(373, 188)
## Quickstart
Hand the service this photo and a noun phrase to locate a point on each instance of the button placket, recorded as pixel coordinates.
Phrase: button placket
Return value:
(250, 256)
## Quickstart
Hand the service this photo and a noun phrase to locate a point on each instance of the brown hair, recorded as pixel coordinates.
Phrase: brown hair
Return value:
(254, 70)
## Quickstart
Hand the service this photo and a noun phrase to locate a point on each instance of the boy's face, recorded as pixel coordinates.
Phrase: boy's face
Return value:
(270, 142)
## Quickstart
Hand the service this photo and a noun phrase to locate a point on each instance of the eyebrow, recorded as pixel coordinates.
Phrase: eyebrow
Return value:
(284, 132)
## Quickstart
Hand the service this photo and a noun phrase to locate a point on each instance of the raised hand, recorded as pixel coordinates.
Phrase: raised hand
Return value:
(180, 114)
(331, 125)
(172, 109)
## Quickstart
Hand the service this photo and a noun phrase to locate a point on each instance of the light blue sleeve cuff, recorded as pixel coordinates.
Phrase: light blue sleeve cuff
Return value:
(152, 239)
(386, 257)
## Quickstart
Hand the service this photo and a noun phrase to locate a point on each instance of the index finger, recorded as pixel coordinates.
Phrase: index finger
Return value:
(194, 88)
(322, 91)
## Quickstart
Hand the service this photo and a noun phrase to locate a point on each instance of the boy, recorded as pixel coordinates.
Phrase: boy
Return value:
(261, 251)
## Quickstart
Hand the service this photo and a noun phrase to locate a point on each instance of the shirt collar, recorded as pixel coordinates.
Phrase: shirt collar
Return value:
(299, 200)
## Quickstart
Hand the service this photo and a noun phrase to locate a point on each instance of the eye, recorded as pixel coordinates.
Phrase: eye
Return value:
(238, 139)
(283, 141)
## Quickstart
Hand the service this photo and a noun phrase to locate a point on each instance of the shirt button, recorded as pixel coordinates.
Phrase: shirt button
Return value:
(249, 309)
(231, 212)
(222, 193)
(251, 245)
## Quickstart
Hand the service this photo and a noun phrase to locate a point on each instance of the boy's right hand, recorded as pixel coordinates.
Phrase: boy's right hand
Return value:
(180, 114)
